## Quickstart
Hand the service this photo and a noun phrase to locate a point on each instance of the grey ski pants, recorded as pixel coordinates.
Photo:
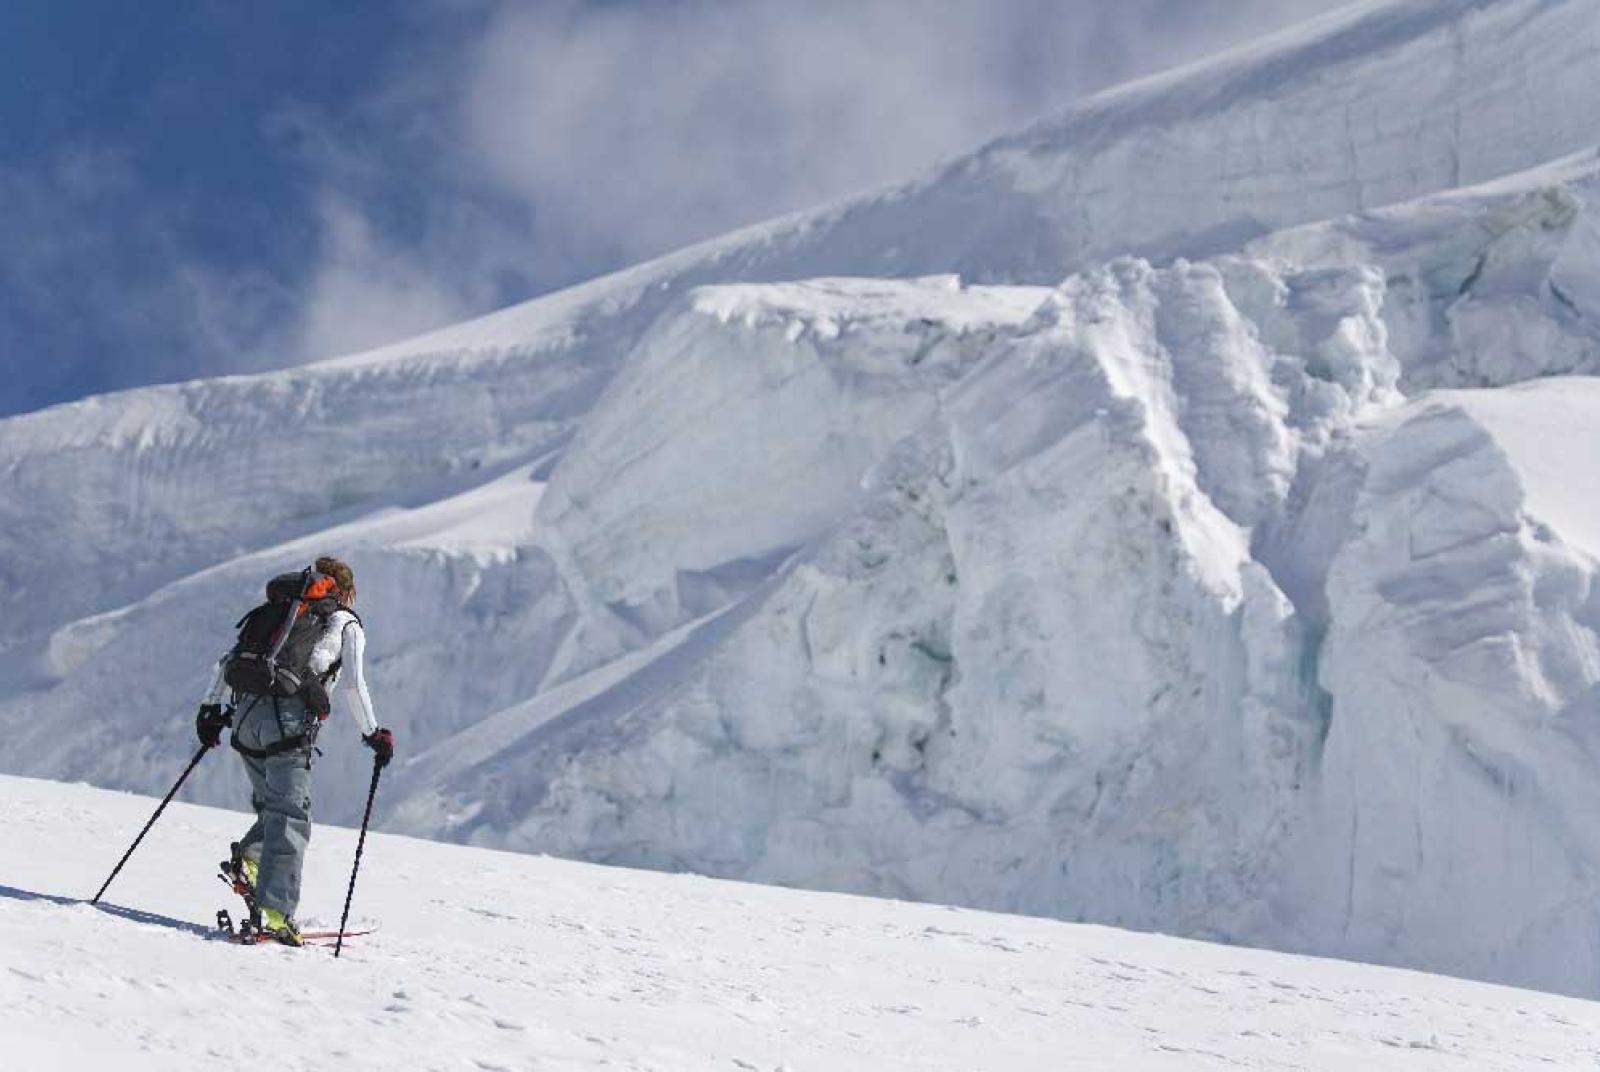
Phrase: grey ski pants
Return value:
(280, 793)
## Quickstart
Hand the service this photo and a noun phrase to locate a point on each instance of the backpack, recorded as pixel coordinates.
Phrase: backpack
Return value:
(272, 657)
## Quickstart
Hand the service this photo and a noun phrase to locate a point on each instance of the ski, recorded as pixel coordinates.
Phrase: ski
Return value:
(305, 936)
(244, 934)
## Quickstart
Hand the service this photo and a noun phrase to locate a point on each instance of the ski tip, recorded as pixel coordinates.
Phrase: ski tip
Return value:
(329, 936)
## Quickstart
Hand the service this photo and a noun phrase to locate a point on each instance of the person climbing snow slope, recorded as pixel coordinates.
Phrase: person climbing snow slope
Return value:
(303, 643)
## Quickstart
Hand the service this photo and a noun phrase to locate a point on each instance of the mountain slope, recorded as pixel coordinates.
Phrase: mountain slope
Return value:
(484, 960)
(1162, 595)
(1375, 105)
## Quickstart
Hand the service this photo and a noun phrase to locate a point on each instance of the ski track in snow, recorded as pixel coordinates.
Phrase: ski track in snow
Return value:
(492, 961)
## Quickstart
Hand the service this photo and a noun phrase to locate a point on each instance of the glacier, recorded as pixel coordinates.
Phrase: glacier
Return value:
(1175, 515)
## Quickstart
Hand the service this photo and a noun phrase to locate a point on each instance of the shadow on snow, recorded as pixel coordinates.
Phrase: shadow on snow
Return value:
(134, 915)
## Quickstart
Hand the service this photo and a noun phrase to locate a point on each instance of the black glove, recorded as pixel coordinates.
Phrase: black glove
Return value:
(210, 722)
(381, 741)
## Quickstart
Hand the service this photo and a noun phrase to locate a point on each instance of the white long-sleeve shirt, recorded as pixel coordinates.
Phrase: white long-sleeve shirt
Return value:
(343, 641)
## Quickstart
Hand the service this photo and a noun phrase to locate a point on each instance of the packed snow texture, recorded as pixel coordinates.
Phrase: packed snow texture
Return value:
(1247, 596)
(484, 960)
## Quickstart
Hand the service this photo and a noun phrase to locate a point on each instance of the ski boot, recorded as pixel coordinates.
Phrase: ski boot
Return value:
(271, 925)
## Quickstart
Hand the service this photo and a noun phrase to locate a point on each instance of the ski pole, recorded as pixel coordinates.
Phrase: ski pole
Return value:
(198, 756)
(377, 770)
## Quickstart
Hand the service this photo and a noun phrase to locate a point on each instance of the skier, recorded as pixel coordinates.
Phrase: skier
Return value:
(281, 700)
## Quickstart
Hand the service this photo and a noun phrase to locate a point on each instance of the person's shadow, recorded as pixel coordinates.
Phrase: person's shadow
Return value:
(133, 914)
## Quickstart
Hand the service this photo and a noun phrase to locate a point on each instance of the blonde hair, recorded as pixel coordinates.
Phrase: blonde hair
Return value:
(342, 575)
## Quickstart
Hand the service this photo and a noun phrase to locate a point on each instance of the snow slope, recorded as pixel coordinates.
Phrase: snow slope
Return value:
(490, 961)
(1371, 105)
(1138, 590)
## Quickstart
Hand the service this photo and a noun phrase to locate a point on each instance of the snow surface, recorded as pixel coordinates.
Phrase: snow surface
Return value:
(484, 960)
(1249, 596)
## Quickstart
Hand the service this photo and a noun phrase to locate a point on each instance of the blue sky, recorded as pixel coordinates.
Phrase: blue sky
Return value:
(158, 168)
(191, 187)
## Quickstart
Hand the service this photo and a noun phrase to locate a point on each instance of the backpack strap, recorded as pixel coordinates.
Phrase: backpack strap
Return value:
(276, 748)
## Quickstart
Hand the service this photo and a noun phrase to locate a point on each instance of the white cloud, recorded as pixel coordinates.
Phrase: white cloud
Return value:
(538, 144)
(633, 128)
(571, 137)
(650, 127)
(366, 290)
